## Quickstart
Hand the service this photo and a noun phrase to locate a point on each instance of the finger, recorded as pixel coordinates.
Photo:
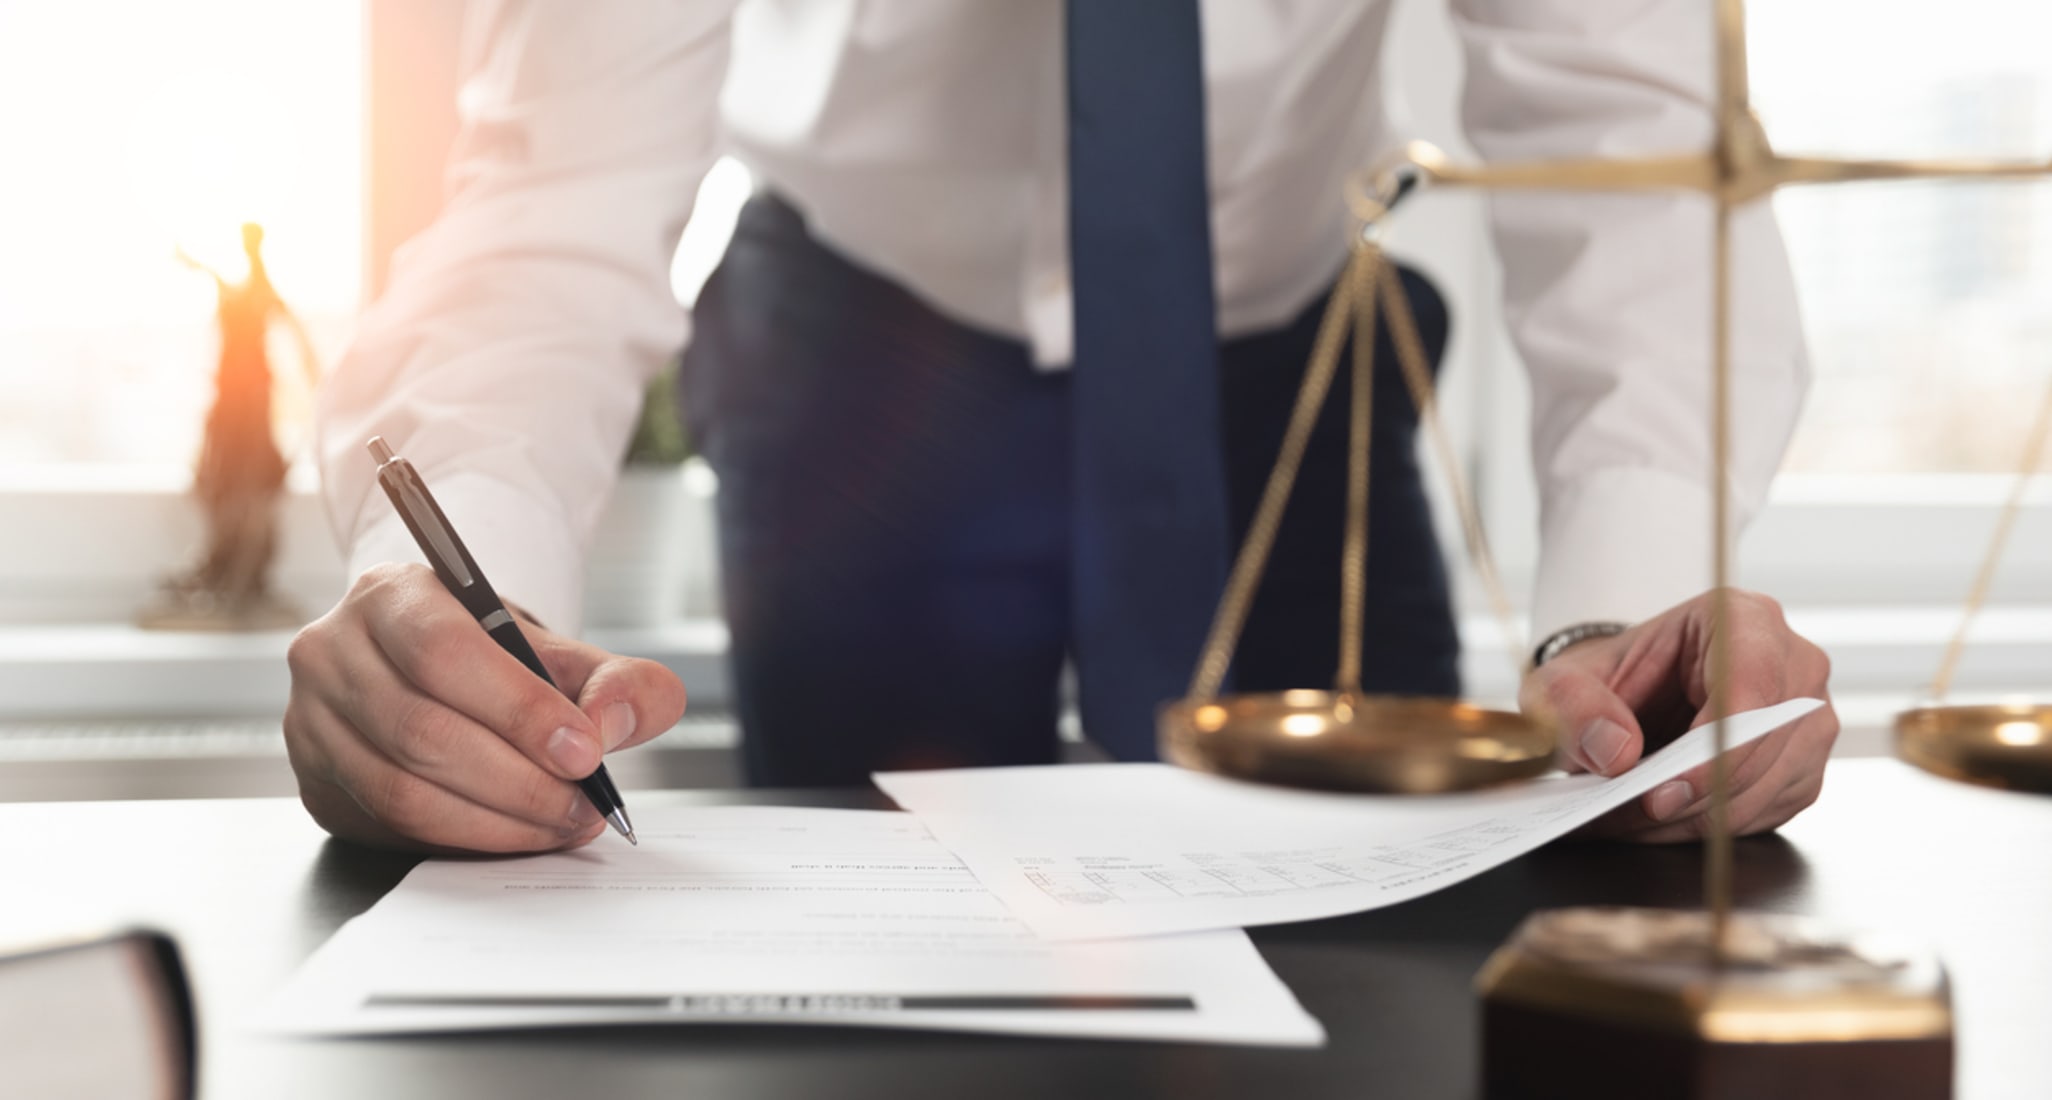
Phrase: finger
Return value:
(449, 748)
(1799, 775)
(1682, 797)
(334, 810)
(1630, 823)
(1698, 826)
(1690, 791)
(416, 810)
(1763, 804)
(631, 700)
(433, 642)
(1599, 732)
(1801, 748)
(1800, 793)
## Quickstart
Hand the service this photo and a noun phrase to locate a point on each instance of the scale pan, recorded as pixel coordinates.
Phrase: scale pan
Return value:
(1380, 744)
(2003, 745)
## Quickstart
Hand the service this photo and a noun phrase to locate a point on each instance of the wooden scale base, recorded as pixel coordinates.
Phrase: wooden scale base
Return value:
(1631, 1004)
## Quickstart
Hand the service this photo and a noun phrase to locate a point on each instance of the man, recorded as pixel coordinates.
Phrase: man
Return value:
(991, 375)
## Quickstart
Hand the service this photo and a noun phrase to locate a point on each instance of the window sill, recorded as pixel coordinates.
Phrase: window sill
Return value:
(117, 671)
(105, 535)
(1882, 658)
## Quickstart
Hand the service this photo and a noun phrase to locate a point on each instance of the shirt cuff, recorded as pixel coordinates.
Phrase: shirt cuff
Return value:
(521, 545)
(1621, 545)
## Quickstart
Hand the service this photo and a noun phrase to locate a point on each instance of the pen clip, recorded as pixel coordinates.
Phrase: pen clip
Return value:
(441, 541)
(431, 525)
(403, 481)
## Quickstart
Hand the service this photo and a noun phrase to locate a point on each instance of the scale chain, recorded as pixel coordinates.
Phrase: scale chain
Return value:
(1361, 282)
(1253, 556)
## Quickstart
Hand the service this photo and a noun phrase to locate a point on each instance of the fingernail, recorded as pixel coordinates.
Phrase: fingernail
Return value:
(1669, 799)
(1602, 743)
(616, 725)
(574, 753)
(582, 813)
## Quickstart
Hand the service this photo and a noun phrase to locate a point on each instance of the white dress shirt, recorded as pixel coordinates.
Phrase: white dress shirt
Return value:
(925, 139)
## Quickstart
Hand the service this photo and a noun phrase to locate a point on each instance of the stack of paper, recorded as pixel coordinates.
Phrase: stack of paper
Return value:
(962, 915)
(763, 915)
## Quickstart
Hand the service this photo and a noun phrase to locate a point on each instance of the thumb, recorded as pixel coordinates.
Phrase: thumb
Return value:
(1598, 732)
(631, 699)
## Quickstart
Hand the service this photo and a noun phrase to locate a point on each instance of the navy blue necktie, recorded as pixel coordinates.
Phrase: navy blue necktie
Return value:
(1150, 524)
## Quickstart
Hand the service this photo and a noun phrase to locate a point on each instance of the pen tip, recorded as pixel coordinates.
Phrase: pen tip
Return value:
(618, 819)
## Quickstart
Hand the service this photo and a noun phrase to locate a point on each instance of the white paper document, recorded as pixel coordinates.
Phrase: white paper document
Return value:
(1104, 850)
(769, 915)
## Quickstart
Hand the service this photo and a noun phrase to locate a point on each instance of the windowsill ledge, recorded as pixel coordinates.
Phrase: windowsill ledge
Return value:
(115, 670)
(1882, 659)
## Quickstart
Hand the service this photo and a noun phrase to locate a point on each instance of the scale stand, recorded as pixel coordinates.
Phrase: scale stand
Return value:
(1607, 1002)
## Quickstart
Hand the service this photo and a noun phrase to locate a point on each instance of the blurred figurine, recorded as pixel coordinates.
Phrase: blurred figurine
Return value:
(241, 470)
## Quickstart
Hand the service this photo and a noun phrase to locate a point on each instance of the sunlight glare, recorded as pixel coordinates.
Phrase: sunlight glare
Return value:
(139, 126)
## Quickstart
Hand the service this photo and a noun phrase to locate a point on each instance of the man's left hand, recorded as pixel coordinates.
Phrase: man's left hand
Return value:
(1615, 696)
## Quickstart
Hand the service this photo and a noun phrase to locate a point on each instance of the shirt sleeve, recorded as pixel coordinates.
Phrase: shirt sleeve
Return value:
(1608, 300)
(508, 357)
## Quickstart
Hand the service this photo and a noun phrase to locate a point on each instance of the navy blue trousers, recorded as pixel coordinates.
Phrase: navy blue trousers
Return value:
(894, 518)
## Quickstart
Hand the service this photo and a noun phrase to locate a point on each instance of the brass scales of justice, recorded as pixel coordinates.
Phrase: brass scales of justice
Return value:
(1717, 1003)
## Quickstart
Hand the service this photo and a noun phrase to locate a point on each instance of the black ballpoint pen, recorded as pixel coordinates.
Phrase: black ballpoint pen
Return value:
(459, 573)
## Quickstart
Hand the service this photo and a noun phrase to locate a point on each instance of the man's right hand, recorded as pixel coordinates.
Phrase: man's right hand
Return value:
(409, 727)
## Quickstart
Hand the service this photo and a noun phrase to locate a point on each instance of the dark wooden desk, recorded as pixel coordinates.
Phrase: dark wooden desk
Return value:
(250, 887)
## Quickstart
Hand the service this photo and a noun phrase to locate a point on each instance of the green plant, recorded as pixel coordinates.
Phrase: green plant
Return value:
(659, 436)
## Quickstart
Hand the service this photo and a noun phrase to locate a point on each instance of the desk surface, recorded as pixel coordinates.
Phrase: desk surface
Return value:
(251, 887)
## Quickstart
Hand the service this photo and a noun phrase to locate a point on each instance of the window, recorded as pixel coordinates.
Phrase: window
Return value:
(134, 129)
(137, 129)
(1928, 308)
(1928, 305)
